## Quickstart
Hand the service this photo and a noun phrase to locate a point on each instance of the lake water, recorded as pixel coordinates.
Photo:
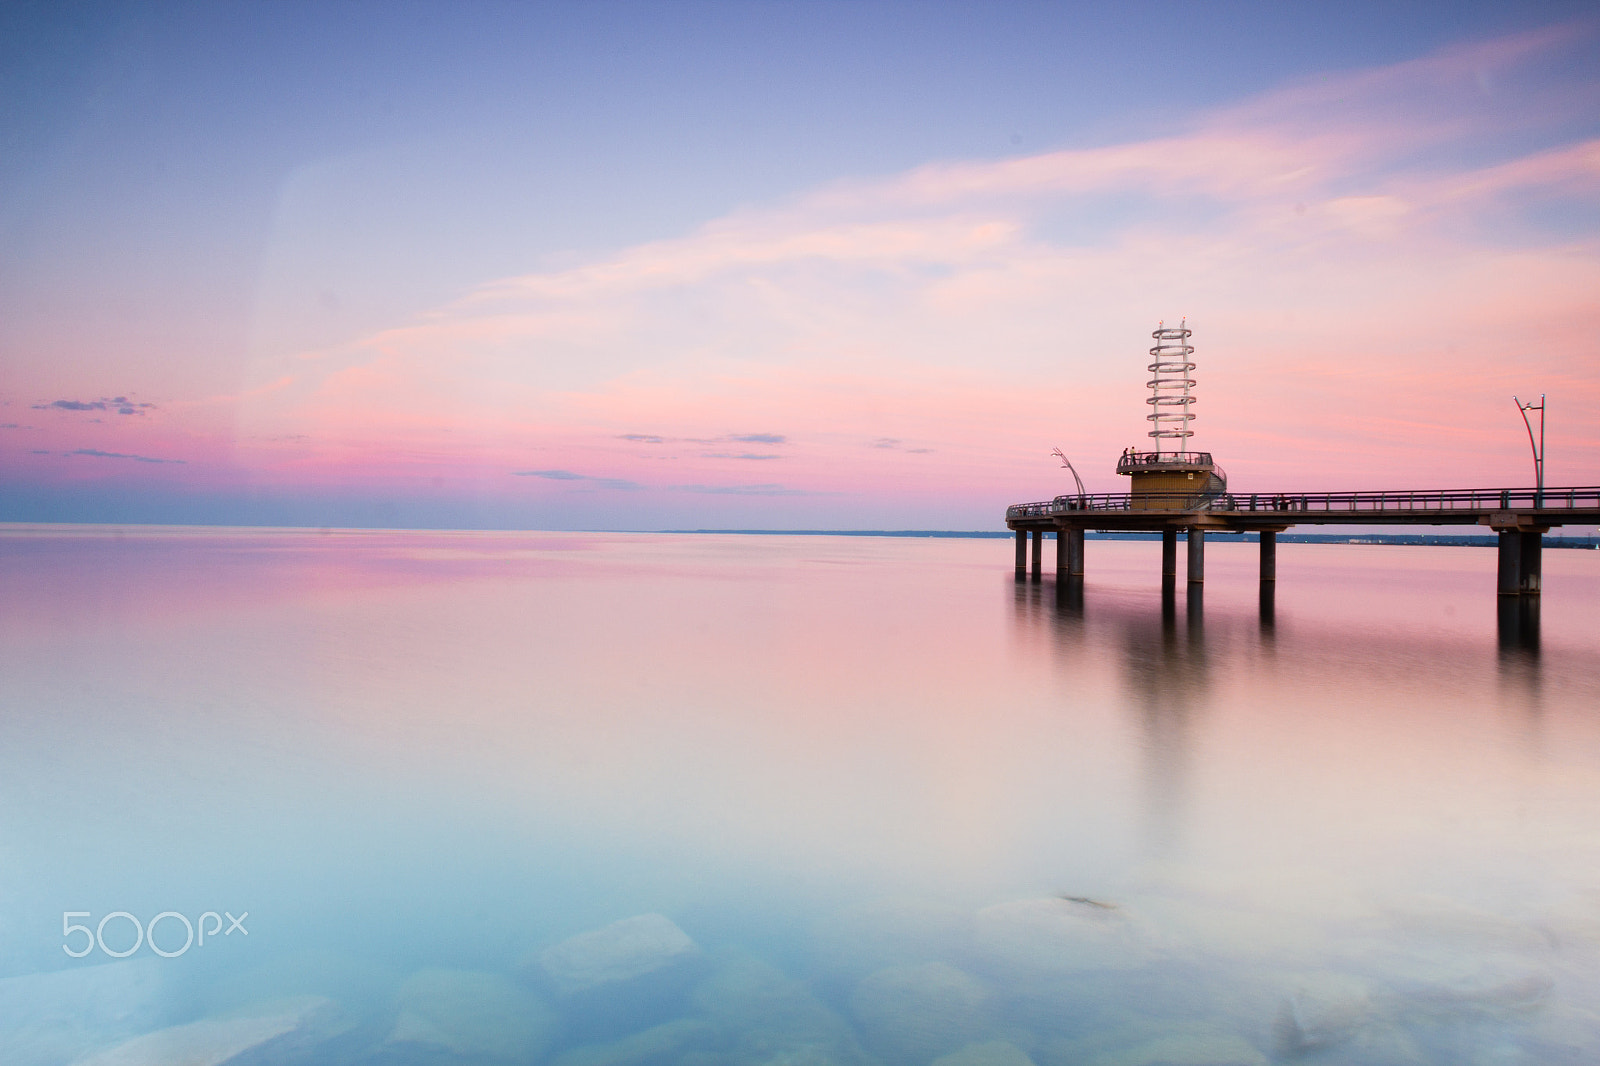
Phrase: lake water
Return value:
(853, 800)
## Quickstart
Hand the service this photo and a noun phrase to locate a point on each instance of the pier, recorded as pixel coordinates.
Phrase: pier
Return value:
(1176, 491)
(1519, 516)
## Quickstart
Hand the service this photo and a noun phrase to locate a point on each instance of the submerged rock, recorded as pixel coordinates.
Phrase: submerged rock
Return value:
(1197, 1048)
(625, 976)
(889, 932)
(621, 951)
(1321, 1011)
(1438, 920)
(472, 1014)
(281, 1029)
(659, 1043)
(361, 985)
(912, 1014)
(764, 1017)
(991, 1053)
(48, 1019)
(1040, 937)
(1563, 1032)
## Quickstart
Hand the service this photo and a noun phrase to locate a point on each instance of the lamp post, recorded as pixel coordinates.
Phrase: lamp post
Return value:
(1059, 454)
(1538, 449)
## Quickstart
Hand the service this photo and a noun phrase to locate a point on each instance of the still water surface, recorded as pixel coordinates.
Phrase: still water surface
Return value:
(865, 801)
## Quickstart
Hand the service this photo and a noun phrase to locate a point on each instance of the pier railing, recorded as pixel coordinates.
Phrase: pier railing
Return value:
(1138, 462)
(1398, 503)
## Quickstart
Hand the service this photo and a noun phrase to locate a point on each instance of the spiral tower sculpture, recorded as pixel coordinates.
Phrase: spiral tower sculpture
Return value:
(1171, 364)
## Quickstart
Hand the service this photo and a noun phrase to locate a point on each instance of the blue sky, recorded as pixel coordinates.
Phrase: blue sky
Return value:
(191, 192)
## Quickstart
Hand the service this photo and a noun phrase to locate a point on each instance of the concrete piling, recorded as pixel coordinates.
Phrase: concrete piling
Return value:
(1074, 539)
(1521, 569)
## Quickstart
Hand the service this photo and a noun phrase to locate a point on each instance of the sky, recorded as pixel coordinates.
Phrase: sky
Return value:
(780, 265)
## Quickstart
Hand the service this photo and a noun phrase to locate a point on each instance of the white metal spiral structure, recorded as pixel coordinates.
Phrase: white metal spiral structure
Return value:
(1169, 388)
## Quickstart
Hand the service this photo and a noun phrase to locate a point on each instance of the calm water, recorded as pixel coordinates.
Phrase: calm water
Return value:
(905, 809)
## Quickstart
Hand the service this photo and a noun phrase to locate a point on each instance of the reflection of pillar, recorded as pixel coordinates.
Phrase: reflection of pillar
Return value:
(1074, 551)
(1069, 595)
(1197, 555)
(1269, 556)
(1518, 622)
(1169, 553)
(1022, 554)
(1038, 553)
(1521, 681)
(1167, 679)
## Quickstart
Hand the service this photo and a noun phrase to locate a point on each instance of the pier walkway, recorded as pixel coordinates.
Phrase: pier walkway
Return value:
(1519, 516)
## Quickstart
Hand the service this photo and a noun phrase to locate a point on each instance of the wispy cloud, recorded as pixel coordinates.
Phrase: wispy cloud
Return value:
(120, 404)
(730, 438)
(744, 490)
(568, 475)
(98, 454)
(553, 475)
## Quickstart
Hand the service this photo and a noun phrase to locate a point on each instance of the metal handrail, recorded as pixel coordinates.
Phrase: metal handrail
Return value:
(1387, 502)
(1146, 460)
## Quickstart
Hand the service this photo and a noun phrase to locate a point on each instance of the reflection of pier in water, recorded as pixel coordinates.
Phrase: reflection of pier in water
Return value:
(1516, 615)
(1166, 671)
(1171, 663)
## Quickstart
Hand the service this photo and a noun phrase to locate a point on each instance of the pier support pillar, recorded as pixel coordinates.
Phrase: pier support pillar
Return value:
(1169, 553)
(1074, 539)
(1532, 564)
(1197, 556)
(1521, 563)
(1063, 564)
(1269, 556)
(1038, 554)
(1022, 554)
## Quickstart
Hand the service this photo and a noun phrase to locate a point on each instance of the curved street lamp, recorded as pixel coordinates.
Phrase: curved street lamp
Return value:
(1059, 454)
(1538, 449)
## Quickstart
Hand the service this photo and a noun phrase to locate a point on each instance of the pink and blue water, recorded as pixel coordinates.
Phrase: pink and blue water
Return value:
(956, 817)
